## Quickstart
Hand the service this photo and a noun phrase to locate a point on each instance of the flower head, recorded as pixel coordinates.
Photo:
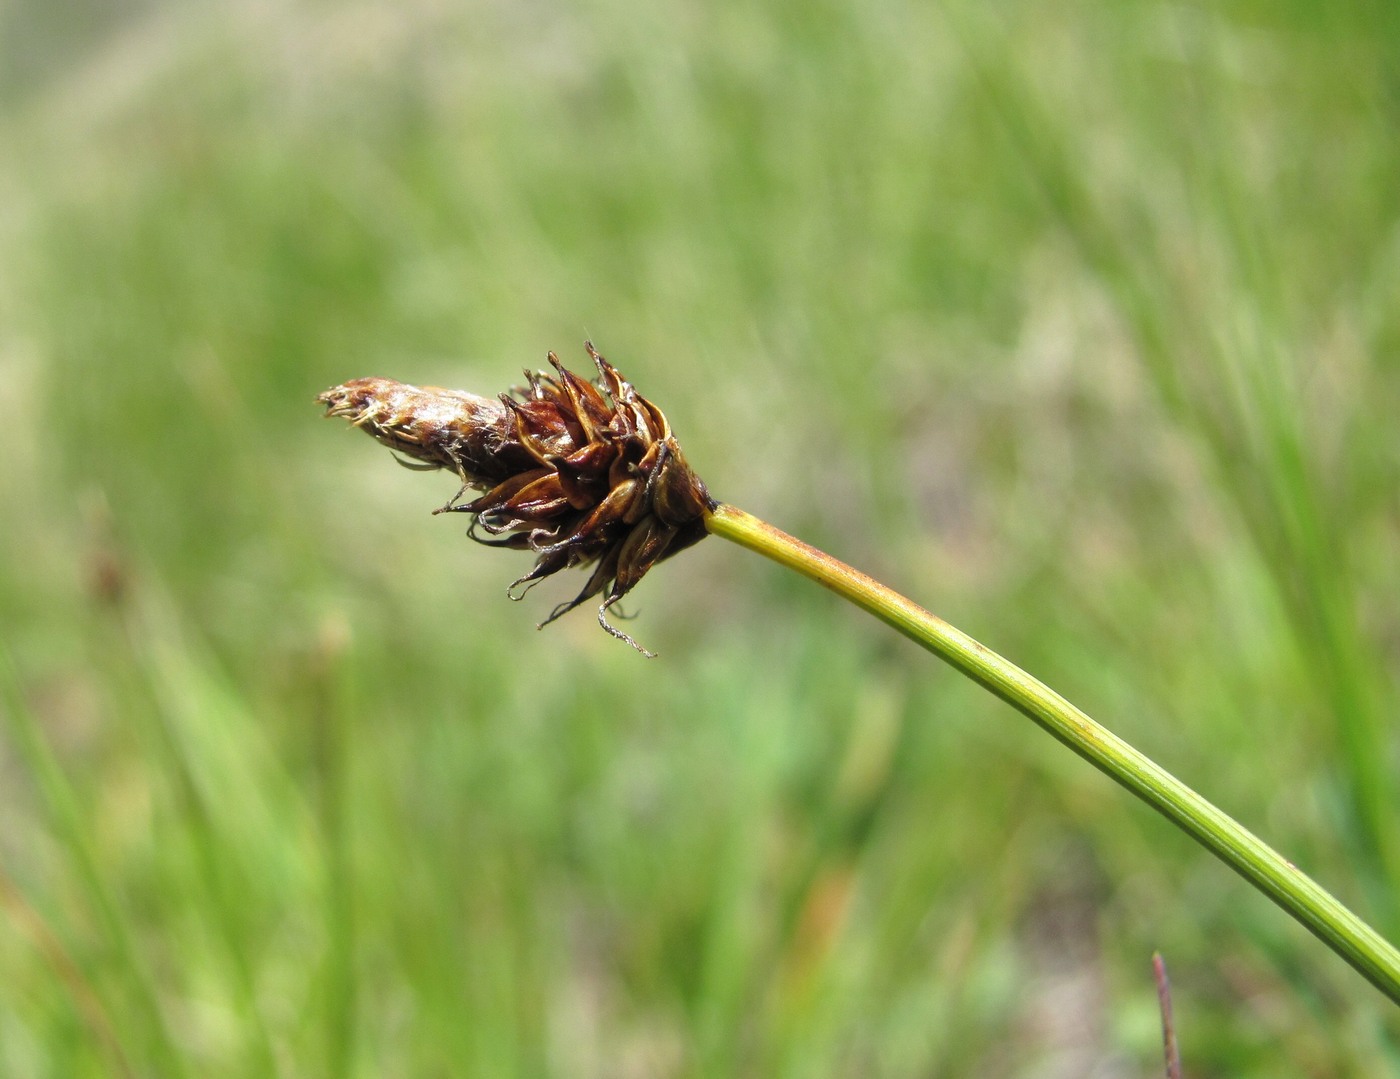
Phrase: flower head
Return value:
(580, 474)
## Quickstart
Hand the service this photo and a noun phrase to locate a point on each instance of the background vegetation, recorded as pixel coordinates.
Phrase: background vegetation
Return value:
(1077, 322)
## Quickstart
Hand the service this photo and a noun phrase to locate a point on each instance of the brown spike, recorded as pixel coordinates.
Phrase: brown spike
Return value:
(581, 474)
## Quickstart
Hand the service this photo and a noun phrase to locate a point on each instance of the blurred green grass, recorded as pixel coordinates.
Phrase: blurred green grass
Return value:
(1077, 324)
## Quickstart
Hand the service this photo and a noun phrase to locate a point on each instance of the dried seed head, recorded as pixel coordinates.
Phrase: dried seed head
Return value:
(580, 474)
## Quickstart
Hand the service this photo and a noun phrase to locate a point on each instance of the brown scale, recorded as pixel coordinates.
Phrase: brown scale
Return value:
(580, 474)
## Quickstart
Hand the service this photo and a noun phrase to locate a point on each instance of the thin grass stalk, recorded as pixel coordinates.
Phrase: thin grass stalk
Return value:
(1278, 878)
(87, 1002)
(61, 802)
(332, 747)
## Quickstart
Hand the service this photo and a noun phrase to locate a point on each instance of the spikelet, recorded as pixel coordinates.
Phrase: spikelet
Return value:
(580, 474)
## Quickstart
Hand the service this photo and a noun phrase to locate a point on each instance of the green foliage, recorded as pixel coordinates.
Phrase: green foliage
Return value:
(1077, 323)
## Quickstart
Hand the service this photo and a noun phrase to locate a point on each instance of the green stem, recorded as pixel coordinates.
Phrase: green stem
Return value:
(1236, 846)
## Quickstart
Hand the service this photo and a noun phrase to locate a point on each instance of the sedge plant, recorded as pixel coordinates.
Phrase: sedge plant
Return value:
(589, 475)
